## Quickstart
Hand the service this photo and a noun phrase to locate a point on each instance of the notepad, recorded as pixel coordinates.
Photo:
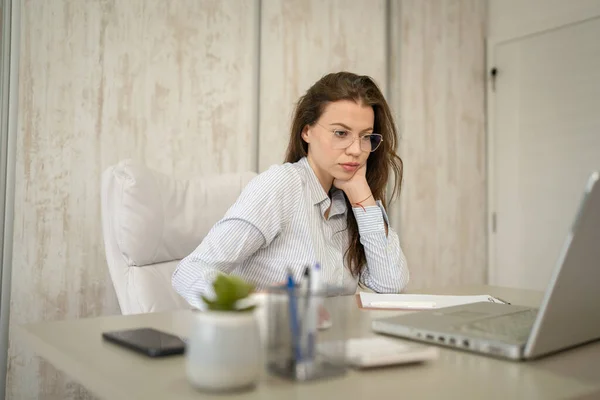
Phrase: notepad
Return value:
(419, 301)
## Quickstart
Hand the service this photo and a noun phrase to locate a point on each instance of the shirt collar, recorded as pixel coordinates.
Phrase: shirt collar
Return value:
(318, 195)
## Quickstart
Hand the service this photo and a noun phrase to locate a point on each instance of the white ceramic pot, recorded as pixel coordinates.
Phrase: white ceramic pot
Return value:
(223, 351)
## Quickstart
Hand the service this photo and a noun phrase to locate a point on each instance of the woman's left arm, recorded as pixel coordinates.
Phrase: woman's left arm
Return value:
(386, 270)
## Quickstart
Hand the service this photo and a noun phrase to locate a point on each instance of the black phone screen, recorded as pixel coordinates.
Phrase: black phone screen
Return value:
(149, 341)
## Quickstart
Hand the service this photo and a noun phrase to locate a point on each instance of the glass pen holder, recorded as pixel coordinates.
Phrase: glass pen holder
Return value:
(306, 333)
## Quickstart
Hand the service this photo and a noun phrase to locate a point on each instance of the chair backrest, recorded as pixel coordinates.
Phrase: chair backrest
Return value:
(150, 221)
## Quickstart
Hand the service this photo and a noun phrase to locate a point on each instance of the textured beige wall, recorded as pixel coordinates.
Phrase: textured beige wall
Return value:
(302, 40)
(172, 83)
(438, 73)
(165, 82)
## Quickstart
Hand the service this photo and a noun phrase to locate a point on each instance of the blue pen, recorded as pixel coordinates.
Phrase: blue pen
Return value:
(293, 310)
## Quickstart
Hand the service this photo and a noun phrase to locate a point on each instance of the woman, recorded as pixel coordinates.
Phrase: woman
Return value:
(326, 204)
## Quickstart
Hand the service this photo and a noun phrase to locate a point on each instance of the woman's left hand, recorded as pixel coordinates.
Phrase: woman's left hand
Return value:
(357, 188)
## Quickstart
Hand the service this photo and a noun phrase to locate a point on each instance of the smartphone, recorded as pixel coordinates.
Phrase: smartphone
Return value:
(149, 341)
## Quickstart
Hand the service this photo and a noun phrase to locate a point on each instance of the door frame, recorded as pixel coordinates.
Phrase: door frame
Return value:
(490, 148)
(9, 99)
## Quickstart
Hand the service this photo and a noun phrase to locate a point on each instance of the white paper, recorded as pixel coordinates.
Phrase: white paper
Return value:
(419, 301)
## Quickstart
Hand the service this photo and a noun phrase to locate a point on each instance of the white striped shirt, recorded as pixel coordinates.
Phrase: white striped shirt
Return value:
(278, 222)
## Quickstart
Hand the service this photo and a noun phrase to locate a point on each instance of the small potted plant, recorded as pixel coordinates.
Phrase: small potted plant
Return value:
(223, 350)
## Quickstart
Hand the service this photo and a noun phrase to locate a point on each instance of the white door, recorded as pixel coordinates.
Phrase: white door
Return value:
(545, 133)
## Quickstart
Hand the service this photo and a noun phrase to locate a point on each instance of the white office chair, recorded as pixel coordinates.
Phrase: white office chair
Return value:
(151, 221)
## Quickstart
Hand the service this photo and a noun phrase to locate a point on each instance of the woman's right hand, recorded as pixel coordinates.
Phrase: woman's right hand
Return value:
(324, 318)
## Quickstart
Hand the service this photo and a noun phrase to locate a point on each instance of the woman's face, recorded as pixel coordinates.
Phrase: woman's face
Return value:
(341, 123)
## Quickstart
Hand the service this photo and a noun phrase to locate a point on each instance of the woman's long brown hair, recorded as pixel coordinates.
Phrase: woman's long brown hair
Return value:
(362, 90)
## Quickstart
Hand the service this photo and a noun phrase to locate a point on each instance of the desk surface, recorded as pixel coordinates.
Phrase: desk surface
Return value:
(76, 347)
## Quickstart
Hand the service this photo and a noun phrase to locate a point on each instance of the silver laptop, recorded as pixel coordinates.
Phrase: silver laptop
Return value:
(568, 316)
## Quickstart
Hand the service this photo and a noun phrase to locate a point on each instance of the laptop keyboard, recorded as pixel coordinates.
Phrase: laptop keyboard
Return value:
(512, 327)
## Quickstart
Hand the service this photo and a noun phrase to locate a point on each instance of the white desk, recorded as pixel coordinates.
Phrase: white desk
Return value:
(76, 347)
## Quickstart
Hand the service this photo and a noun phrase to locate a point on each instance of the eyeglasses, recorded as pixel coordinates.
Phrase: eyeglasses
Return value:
(342, 139)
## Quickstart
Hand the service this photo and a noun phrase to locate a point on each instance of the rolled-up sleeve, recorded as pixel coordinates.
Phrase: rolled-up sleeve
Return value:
(252, 223)
(228, 244)
(386, 270)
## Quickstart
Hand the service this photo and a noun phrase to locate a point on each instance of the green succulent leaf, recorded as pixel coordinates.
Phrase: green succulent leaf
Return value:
(229, 289)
